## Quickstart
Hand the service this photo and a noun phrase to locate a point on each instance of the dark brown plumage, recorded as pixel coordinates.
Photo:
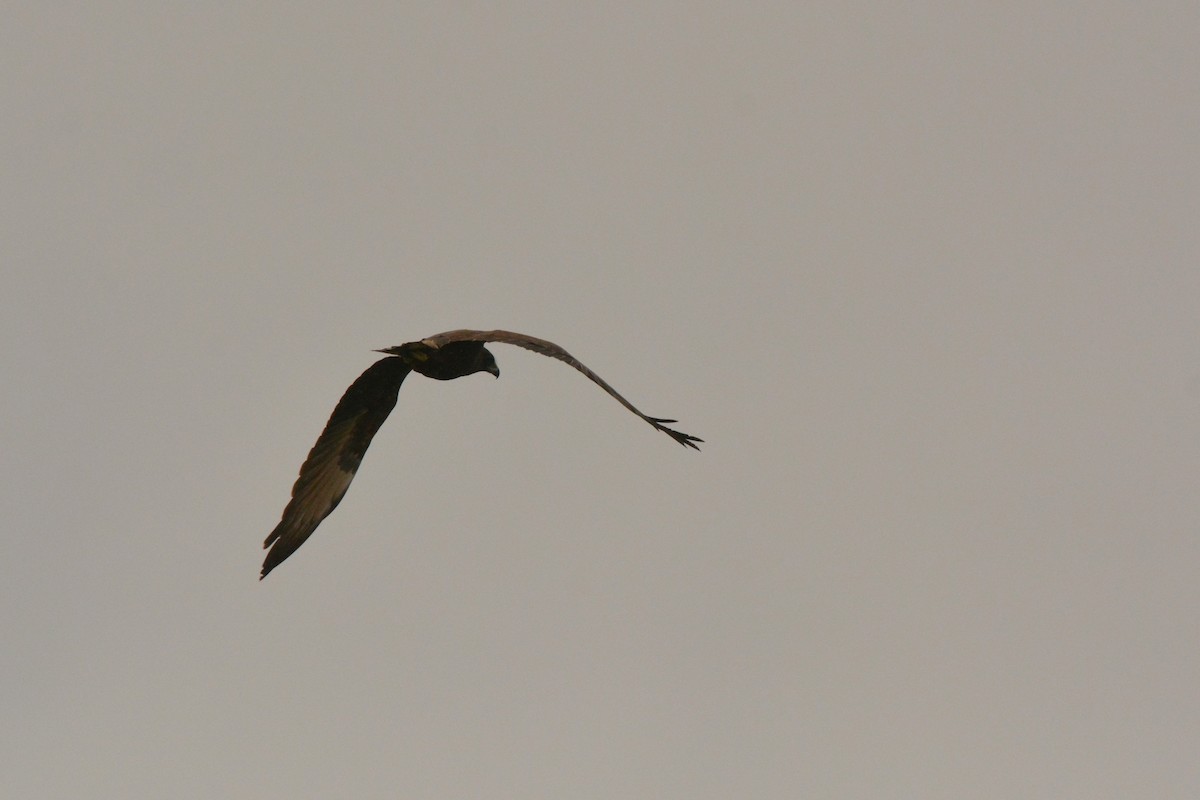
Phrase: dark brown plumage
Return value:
(327, 472)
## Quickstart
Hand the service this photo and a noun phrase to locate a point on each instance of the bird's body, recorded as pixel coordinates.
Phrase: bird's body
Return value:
(331, 464)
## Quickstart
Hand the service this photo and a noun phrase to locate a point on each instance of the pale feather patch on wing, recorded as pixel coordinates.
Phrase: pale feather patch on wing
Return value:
(327, 473)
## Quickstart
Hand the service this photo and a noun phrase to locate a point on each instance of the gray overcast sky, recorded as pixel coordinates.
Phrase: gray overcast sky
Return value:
(924, 276)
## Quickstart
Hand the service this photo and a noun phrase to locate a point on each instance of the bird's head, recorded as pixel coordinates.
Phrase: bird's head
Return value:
(487, 362)
(445, 363)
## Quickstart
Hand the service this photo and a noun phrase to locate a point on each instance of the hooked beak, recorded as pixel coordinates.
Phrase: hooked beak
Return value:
(495, 370)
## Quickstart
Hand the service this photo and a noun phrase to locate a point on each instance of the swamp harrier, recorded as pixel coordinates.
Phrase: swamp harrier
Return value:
(333, 460)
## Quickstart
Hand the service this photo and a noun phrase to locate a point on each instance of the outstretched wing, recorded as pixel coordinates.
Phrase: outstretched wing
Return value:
(333, 460)
(554, 351)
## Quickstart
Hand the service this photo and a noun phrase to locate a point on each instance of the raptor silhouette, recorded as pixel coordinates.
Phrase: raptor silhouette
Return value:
(327, 472)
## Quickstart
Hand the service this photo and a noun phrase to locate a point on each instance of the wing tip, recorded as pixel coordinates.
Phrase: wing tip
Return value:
(267, 566)
(685, 439)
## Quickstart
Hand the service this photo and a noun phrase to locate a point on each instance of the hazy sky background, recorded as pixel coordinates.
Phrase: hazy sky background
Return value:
(925, 276)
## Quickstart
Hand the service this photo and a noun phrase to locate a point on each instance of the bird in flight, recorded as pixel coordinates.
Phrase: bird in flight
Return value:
(326, 473)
